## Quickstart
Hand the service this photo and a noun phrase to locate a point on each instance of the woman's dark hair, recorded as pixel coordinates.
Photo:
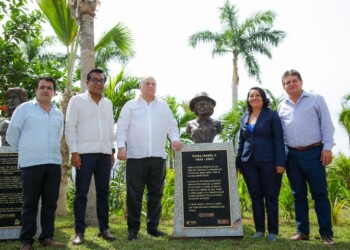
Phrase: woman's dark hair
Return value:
(265, 100)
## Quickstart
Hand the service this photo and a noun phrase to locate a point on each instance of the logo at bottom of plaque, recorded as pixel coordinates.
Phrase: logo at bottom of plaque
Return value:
(223, 221)
(191, 222)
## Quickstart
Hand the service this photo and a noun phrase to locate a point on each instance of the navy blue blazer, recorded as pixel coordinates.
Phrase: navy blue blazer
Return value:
(266, 143)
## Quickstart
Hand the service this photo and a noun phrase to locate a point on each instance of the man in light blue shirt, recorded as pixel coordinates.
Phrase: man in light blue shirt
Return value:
(308, 133)
(35, 132)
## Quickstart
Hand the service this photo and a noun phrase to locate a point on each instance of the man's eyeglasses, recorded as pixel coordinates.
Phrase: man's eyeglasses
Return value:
(96, 81)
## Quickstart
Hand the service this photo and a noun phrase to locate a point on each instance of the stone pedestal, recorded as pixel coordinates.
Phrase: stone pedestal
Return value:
(10, 195)
(206, 195)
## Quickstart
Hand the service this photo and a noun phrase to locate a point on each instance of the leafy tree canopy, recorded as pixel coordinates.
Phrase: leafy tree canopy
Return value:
(22, 49)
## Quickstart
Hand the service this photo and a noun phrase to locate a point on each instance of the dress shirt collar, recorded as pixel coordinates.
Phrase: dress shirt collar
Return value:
(303, 94)
(35, 102)
(88, 95)
(139, 98)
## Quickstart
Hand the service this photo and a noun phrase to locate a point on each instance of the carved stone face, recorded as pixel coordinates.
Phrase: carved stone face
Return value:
(13, 100)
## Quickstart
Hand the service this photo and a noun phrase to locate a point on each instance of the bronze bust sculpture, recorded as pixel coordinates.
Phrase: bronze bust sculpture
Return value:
(14, 97)
(203, 128)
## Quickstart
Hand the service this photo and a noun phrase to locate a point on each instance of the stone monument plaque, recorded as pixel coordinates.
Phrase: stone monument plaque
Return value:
(206, 196)
(10, 194)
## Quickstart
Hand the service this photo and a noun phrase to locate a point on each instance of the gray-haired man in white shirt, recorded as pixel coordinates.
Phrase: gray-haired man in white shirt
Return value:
(143, 126)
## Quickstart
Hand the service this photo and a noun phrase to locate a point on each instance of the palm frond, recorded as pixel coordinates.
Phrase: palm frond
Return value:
(59, 16)
(117, 43)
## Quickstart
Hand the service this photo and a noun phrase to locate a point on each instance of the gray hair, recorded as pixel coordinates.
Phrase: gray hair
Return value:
(145, 78)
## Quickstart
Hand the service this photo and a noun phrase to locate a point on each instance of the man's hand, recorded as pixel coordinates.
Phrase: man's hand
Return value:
(121, 154)
(112, 159)
(75, 160)
(177, 145)
(326, 157)
(279, 170)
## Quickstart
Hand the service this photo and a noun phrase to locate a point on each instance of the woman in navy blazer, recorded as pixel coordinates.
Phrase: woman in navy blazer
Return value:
(261, 160)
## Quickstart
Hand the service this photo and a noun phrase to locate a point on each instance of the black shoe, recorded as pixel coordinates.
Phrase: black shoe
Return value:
(132, 235)
(106, 235)
(327, 240)
(156, 233)
(300, 236)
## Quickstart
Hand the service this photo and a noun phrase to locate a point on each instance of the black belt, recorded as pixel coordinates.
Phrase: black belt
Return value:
(305, 148)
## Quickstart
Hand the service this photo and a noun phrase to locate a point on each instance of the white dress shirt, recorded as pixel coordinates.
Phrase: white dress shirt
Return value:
(89, 126)
(143, 128)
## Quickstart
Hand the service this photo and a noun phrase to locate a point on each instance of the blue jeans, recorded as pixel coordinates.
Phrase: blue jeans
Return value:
(100, 166)
(305, 167)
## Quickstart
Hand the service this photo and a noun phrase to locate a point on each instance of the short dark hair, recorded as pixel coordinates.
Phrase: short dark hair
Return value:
(46, 78)
(265, 100)
(291, 72)
(99, 71)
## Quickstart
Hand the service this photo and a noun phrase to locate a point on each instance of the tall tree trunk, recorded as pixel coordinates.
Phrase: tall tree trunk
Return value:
(235, 81)
(87, 63)
(87, 47)
(65, 167)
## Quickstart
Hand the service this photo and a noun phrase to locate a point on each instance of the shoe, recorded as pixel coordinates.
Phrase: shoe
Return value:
(258, 235)
(26, 247)
(327, 240)
(106, 235)
(156, 233)
(272, 237)
(300, 236)
(78, 239)
(132, 235)
(49, 242)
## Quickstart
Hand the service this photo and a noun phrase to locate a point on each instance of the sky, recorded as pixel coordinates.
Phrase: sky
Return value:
(317, 45)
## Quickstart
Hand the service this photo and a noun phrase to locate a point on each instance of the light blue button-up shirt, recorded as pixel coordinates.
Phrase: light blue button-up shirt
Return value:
(36, 134)
(307, 122)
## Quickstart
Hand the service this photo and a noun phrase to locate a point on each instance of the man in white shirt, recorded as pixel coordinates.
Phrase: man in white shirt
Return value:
(143, 126)
(90, 137)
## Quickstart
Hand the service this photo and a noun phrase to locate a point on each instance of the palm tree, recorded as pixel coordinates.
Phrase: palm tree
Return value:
(119, 90)
(84, 11)
(344, 116)
(274, 101)
(66, 29)
(116, 44)
(231, 122)
(60, 14)
(242, 40)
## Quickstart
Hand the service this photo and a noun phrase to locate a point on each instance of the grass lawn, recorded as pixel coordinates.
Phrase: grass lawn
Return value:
(65, 231)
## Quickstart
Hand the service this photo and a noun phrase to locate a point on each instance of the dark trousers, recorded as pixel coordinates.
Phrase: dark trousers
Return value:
(39, 181)
(143, 172)
(306, 168)
(100, 166)
(264, 186)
